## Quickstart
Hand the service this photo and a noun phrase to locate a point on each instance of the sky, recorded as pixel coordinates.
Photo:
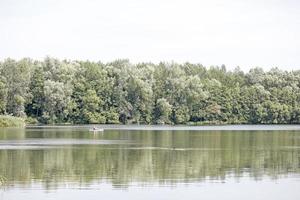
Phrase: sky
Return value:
(245, 33)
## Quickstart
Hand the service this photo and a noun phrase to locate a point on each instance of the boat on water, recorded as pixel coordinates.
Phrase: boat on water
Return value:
(96, 129)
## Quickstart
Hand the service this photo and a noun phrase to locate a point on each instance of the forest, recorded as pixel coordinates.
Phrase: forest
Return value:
(56, 91)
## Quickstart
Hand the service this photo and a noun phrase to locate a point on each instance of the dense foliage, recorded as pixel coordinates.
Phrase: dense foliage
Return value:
(54, 91)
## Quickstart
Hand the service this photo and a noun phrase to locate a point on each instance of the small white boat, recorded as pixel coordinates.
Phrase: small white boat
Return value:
(97, 129)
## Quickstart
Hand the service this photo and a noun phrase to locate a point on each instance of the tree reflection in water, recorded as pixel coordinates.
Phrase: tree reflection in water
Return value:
(145, 157)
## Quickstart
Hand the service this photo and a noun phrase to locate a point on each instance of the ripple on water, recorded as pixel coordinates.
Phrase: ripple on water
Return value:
(52, 143)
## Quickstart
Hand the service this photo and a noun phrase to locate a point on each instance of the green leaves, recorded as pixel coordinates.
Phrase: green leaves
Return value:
(3, 95)
(92, 107)
(55, 91)
(57, 96)
(162, 111)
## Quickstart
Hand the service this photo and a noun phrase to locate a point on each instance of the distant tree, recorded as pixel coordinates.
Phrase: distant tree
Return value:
(55, 102)
(162, 111)
(17, 75)
(3, 95)
(92, 108)
(36, 91)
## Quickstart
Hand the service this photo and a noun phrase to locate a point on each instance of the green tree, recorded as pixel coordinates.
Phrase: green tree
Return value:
(92, 108)
(162, 111)
(17, 75)
(36, 90)
(3, 95)
(55, 102)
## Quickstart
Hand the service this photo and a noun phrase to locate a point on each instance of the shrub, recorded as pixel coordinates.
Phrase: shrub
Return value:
(10, 121)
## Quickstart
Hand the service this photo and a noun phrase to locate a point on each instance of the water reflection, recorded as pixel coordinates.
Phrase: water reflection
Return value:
(123, 157)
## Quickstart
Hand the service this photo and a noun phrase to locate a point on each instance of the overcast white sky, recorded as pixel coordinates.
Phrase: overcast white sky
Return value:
(243, 33)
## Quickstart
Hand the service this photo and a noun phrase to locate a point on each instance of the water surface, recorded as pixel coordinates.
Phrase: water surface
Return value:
(153, 162)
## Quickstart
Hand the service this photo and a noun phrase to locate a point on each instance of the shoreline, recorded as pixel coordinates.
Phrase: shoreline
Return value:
(237, 127)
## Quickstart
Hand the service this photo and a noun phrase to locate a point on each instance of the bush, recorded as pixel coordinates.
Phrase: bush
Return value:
(10, 121)
(31, 120)
(112, 118)
(95, 118)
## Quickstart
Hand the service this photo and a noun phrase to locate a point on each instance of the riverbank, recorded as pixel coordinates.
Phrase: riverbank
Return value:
(10, 121)
(248, 127)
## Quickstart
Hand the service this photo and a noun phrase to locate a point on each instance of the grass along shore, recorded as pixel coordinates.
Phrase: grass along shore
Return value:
(10, 121)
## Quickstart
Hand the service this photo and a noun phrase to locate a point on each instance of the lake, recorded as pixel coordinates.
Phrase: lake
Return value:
(150, 162)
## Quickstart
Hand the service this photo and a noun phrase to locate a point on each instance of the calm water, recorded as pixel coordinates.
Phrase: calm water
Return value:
(241, 162)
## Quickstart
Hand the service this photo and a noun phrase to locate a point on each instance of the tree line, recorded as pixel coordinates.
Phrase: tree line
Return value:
(79, 92)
